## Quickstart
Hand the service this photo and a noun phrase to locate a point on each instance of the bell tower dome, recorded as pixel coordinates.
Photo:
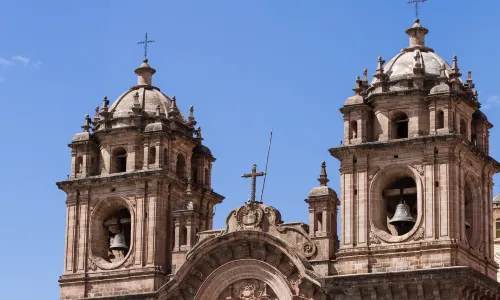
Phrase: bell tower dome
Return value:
(129, 181)
(416, 175)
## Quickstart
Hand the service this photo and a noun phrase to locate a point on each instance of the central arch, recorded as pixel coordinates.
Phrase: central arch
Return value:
(378, 215)
(235, 271)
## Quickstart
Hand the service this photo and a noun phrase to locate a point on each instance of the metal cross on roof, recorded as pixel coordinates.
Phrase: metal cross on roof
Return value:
(146, 42)
(254, 176)
(417, 5)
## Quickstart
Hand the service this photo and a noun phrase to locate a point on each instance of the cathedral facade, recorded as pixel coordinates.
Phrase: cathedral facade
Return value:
(417, 220)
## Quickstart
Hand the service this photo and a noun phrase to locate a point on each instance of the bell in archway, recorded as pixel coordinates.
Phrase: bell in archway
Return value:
(119, 242)
(402, 215)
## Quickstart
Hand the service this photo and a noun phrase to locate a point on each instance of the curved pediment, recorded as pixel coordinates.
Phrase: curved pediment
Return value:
(259, 217)
(292, 272)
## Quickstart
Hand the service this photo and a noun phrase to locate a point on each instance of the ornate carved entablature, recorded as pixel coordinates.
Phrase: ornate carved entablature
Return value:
(254, 216)
(244, 264)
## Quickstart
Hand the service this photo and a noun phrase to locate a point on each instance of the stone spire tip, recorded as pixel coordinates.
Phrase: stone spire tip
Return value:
(323, 177)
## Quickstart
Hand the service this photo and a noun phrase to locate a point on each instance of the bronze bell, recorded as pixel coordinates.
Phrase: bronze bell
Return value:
(119, 242)
(402, 215)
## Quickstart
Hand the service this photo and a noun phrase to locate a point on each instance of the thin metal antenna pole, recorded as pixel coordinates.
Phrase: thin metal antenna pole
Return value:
(267, 163)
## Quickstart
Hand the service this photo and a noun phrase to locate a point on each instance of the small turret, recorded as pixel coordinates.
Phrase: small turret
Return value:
(323, 203)
(417, 35)
(145, 73)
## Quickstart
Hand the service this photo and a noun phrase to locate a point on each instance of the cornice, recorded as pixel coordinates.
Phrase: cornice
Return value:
(400, 145)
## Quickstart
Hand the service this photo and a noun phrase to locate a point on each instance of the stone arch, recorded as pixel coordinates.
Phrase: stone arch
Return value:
(377, 213)
(440, 119)
(353, 132)
(400, 125)
(98, 235)
(236, 271)
(119, 160)
(152, 155)
(472, 185)
(206, 260)
(79, 164)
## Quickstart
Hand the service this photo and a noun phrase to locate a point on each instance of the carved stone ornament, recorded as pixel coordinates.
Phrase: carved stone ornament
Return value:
(248, 289)
(419, 168)
(132, 201)
(373, 238)
(260, 217)
(419, 234)
(92, 265)
(249, 216)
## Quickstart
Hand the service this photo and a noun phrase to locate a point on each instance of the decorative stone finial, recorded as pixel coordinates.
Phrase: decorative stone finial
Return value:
(104, 109)
(442, 75)
(476, 95)
(379, 74)
(136, 108)
(417, 35)
(96, 115)
(157, 111)
(145, 73)
(470, 83)
(323, 178)
(418, 68)
(358, 87)
(455, 71)
(105, 103)
(86, 124)
(173, 110)
(454, 68)
(197, 133)
(365, 77)
(191, 114)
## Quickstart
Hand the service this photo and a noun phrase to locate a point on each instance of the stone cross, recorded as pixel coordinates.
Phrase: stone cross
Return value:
(254, 176)
(417, 5)
(146, 42)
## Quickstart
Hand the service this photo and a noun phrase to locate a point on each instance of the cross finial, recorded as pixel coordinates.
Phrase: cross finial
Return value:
(417, 5)
(254, 176)
(146, 42)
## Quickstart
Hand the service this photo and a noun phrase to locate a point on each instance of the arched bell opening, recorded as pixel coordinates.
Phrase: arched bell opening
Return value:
(118, 227)
(440, 119)
(111, 229)
(353, 133)
(469, 212)
(79, 165)
(119, 160)
(400, 199)
(152, 155)
(400, 125)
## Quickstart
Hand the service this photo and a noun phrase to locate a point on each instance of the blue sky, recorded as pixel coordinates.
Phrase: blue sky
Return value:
(247, 67)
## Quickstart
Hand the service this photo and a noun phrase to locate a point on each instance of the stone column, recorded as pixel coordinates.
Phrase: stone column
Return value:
(139, 222)
(177, 230)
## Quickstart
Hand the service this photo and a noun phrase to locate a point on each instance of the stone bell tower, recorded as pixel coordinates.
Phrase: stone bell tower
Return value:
(136, 167)
(416, 175)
